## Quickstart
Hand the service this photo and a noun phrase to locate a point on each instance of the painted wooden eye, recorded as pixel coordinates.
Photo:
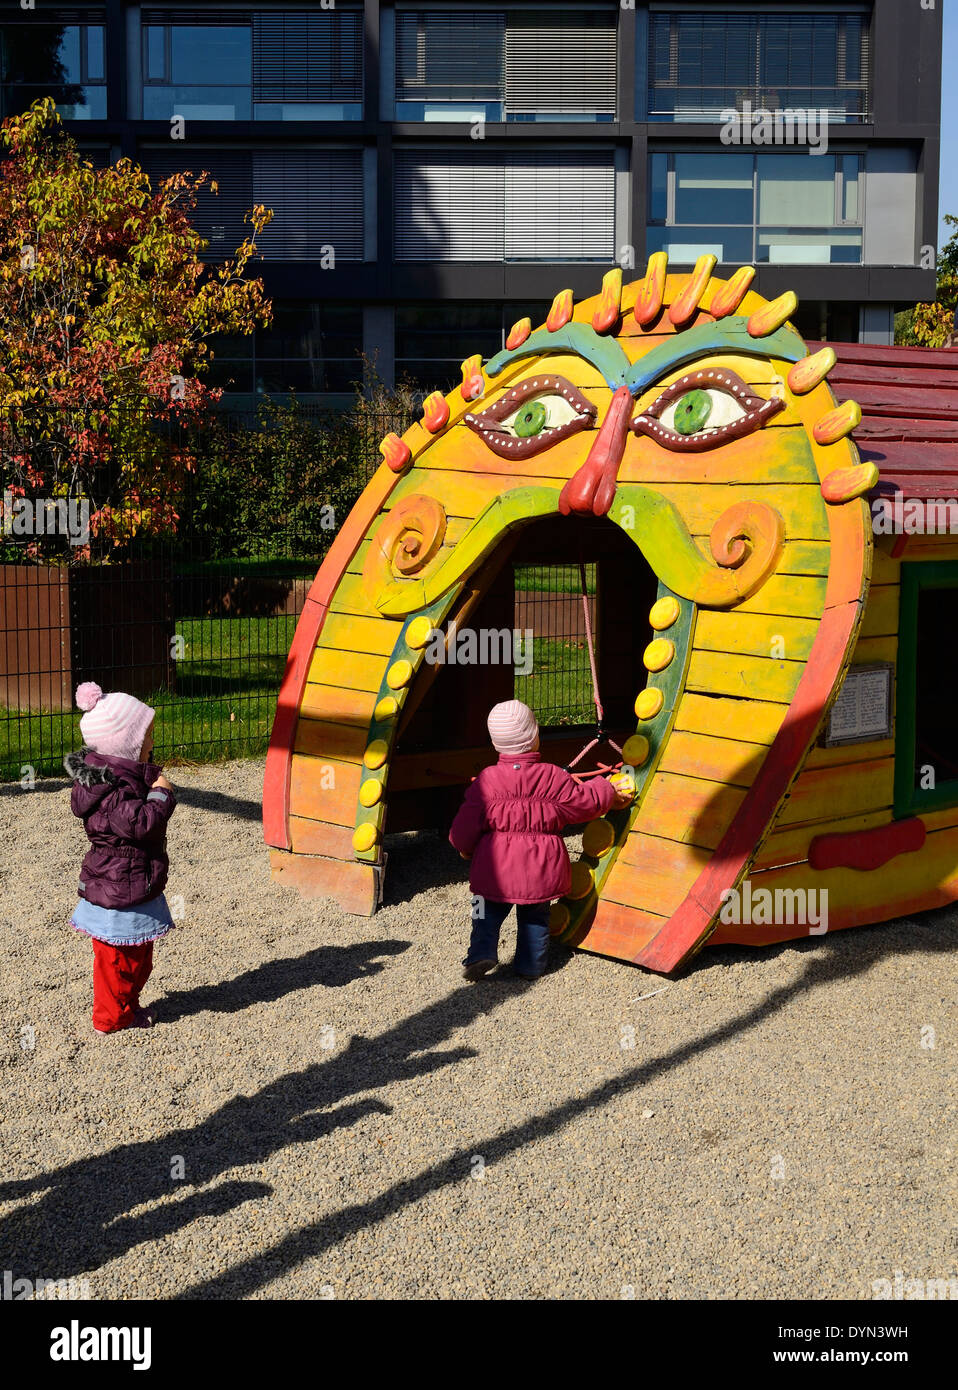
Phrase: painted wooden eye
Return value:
(691, 412)
(535, 414)
(703, 410)
(530, 419)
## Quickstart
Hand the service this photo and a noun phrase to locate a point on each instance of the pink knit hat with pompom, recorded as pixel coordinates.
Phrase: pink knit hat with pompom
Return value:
(512, 727)
(114, 725)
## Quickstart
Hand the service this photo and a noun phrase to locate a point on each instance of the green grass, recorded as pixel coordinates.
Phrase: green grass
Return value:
(222, 706)
(559, 687)
(250, 567)
(553, 579)
(225, 696)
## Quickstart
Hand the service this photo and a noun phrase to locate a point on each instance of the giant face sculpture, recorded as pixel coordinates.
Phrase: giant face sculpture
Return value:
(687, 412)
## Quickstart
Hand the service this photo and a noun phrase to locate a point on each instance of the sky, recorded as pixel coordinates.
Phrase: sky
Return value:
(949, 120)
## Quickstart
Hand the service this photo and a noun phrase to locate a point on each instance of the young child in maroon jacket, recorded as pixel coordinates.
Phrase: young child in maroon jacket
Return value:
(509, 827)
(124, 802)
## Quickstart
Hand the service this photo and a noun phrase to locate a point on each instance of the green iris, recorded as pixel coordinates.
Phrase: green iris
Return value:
(530, 420)
(692, 412)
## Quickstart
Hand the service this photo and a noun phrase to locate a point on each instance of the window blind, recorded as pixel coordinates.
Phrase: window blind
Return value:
(448, 207)
(316, 197)
(560, 206)
(700, 62)
(558, 67)
(218, 217)
(317, 201)
(536, 205)
(442, 56)
(308, 57)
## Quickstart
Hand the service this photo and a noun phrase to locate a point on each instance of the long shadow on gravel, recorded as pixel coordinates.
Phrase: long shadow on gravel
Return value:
(842, 960)
(206, 800)
(331, 966)
(82, 1221)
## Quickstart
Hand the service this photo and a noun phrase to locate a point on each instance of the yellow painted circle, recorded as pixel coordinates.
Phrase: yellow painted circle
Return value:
(649, 702)
(658, 654)
(417, 633)
(581, 880)
(398, 674)
(597, 837)
(376, 754)
(386, 708)
(364, 837)
(664, 612)
(370, 792)
(635, 750)
(558, 919)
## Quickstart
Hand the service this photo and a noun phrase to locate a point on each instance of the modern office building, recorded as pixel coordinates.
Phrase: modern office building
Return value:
(437, 170)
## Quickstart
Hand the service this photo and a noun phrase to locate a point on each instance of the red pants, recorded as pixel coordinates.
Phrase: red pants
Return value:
(119, 973)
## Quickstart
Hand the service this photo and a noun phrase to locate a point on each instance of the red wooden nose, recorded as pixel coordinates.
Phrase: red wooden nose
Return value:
(592, 488)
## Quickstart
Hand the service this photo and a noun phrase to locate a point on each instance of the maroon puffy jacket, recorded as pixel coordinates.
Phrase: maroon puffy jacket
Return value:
(510, 824)
(125, 819)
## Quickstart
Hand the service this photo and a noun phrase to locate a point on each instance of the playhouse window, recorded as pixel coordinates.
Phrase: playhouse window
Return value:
(558, 683)
(926, 743)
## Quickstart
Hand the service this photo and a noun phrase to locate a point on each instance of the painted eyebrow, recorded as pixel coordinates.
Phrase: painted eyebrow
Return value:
(608, 358)
(726, 335)
(582, 341)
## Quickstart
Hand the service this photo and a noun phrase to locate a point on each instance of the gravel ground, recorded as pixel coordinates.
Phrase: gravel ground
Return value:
(325, 1109)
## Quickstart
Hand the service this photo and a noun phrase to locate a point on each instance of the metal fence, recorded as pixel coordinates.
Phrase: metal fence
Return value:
(186, 594)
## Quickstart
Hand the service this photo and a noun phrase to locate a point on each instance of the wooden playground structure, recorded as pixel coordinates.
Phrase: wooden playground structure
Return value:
(770, 603)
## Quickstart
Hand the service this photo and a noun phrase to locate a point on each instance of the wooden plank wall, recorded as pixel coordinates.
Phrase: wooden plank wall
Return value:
(736, 691)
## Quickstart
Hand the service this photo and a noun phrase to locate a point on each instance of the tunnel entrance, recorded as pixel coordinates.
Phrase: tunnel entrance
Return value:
(532, 584)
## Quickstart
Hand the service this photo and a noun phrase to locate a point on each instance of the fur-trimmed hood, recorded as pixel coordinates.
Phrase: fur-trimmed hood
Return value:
(84, 773)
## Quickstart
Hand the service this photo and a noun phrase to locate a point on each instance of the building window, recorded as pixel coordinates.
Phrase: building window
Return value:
(66, 61)
(701, 63)
(310, 348)
(316, 197)
(748, 209)
(294, 66)
(432, 340)
(505, 65)
(484, 206)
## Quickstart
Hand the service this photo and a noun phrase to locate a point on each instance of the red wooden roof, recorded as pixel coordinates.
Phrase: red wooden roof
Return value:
(909, 401)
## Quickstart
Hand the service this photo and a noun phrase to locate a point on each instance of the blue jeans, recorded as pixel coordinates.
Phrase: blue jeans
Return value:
(532, 936)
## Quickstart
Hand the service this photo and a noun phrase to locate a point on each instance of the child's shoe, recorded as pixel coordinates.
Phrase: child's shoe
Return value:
(143, 1019)
(476, 969)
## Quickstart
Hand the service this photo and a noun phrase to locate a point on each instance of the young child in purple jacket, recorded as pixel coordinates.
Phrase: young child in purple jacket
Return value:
(124, 802)
(509, 826)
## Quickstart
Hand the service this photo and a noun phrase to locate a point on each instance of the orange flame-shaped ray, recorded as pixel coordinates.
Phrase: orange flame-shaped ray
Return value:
(518, 333)
(811, 371)
(395, 452)
(435, 412)
(727, 298)
(846, 483)
(688, 301)
(771, 316)
(561, 311)
(648, 302)
(838, 423)
(473, 384)
(606, 315)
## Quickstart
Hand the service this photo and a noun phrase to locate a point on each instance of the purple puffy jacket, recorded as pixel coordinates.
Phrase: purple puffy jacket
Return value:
(510, 822)
(125, 819)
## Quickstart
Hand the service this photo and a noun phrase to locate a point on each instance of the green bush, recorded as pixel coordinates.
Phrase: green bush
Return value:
(281, 485)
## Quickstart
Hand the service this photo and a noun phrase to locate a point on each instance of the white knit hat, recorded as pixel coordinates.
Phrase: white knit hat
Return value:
(115, 725)
(512, 727)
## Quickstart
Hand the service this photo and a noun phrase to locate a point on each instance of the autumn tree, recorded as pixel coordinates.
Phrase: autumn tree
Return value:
(106, 311)
(933, 325)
